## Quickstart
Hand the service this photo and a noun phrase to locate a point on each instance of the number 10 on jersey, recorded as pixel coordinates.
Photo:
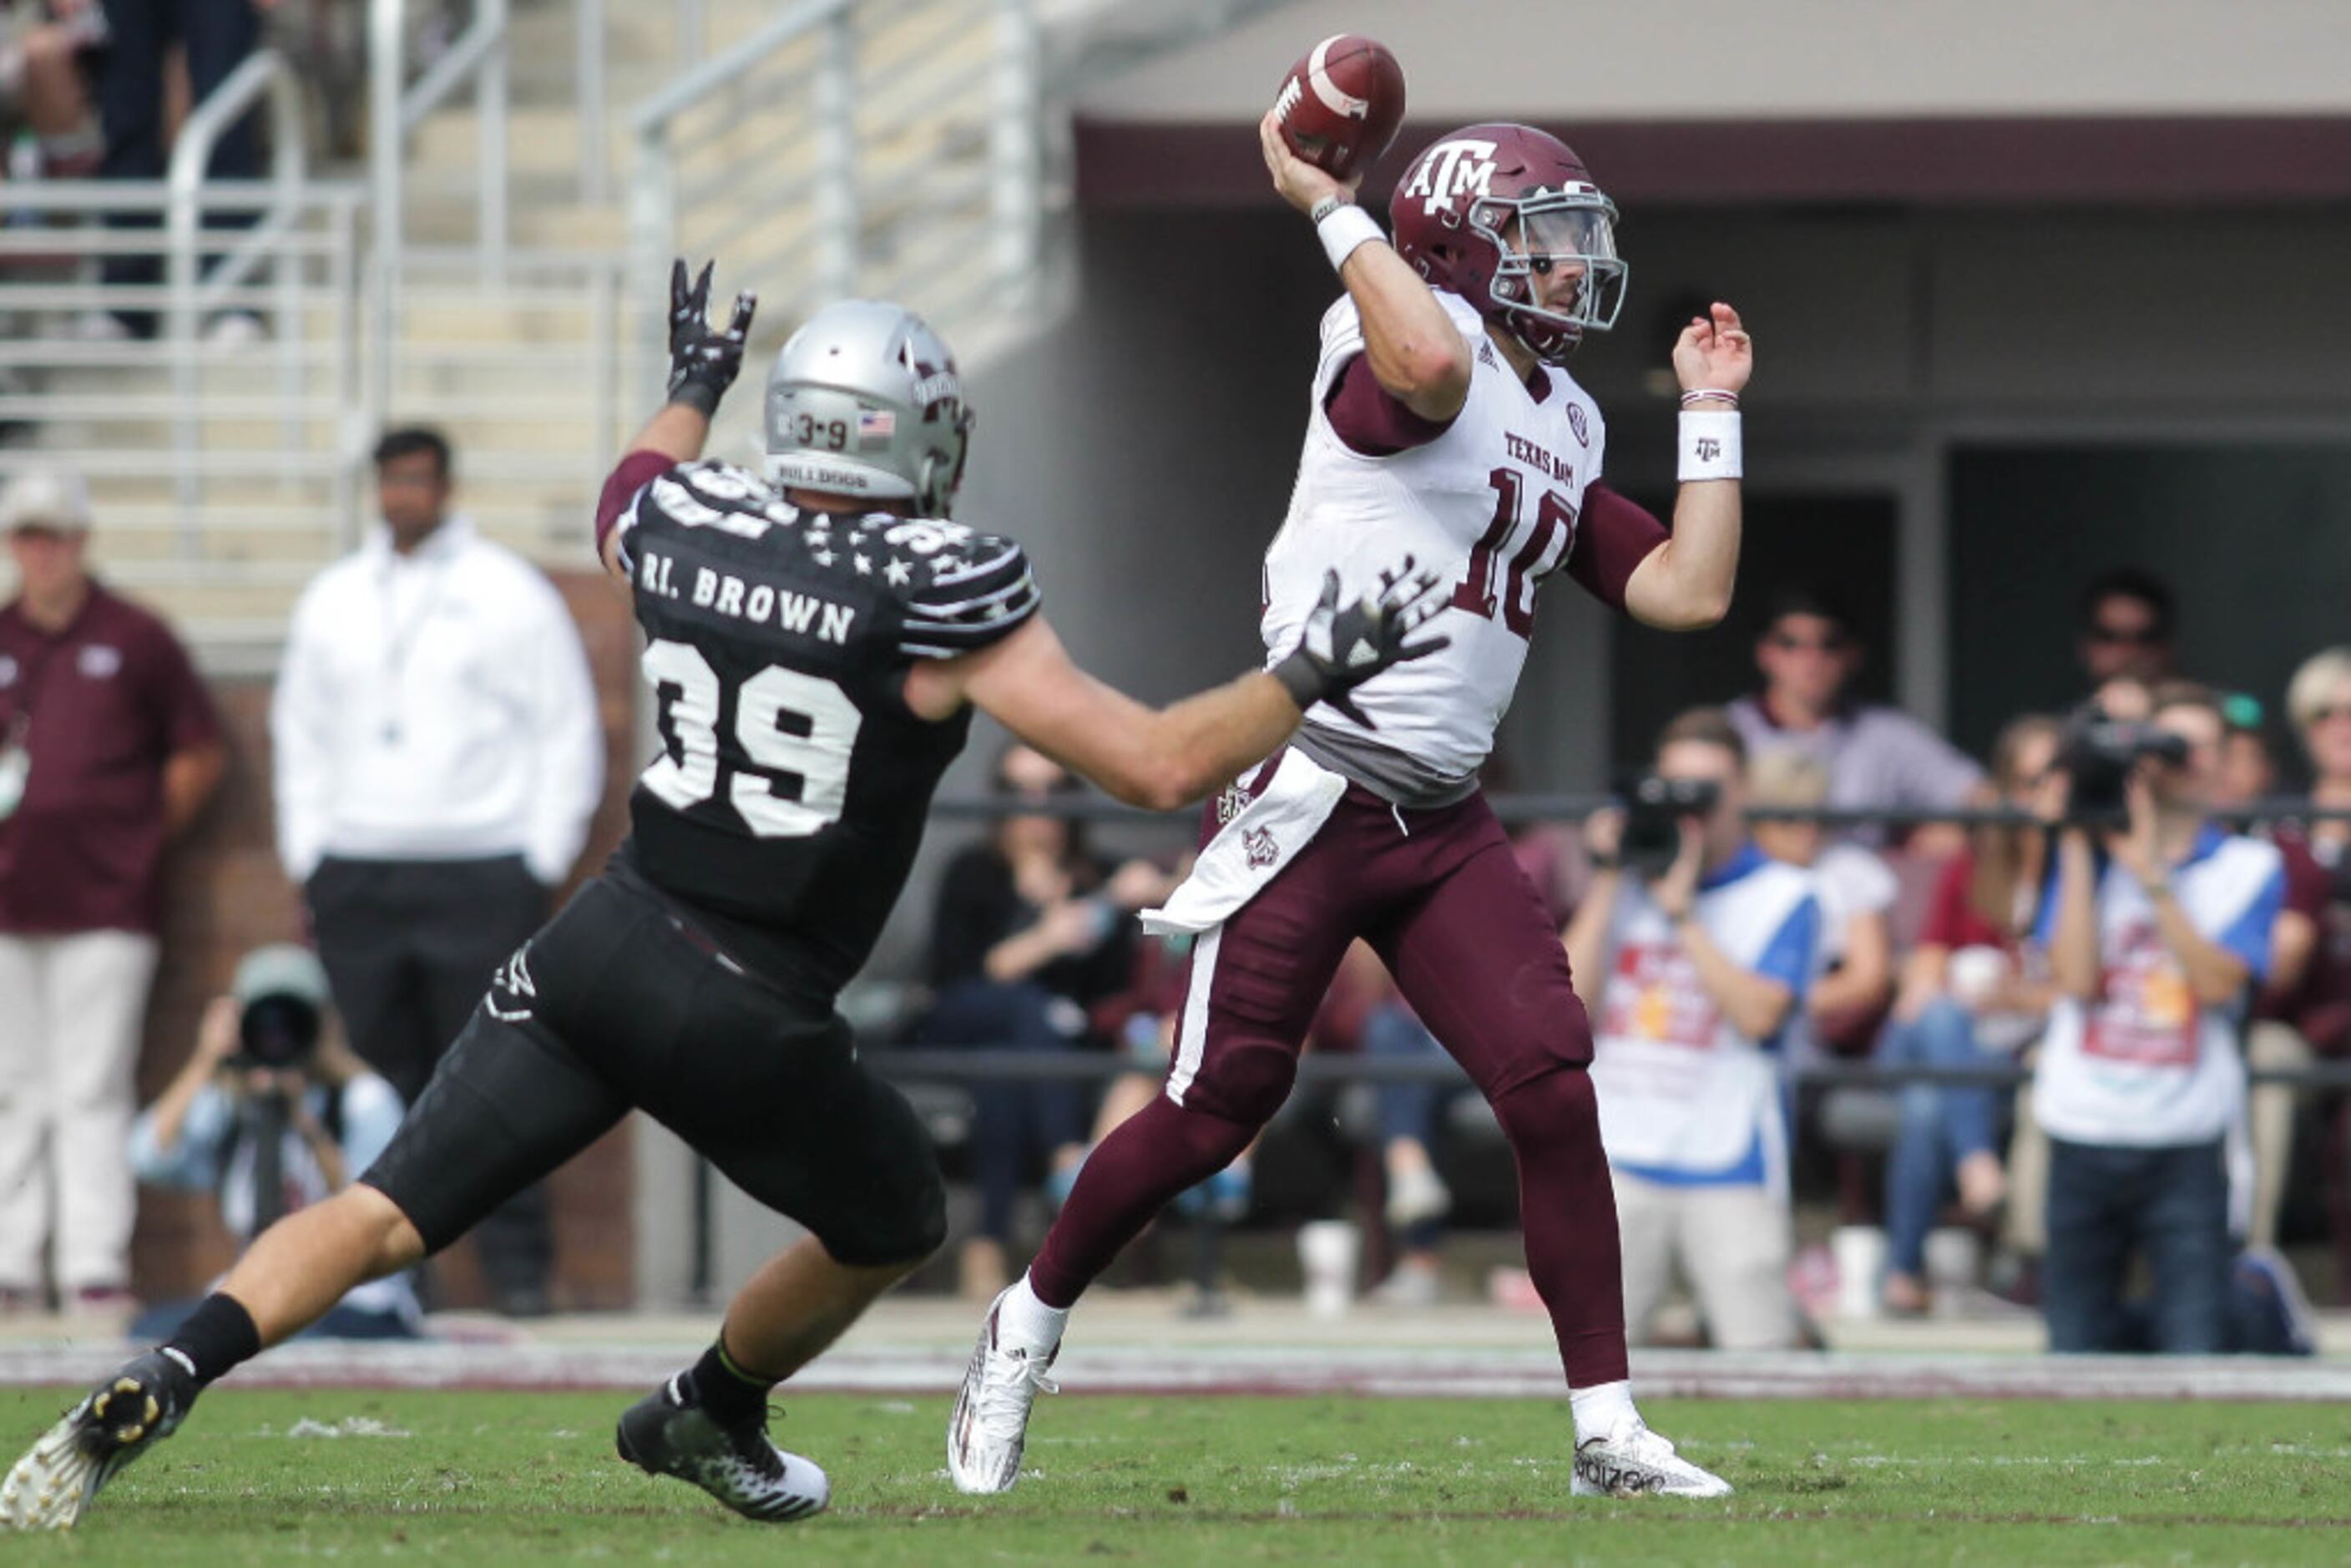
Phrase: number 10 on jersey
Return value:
(1546, 546)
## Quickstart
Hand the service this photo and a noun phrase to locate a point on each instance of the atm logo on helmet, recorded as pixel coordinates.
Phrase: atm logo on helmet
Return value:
(1451, 171)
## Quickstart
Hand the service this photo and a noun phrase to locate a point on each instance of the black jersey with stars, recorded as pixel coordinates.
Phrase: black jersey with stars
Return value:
(793, 782)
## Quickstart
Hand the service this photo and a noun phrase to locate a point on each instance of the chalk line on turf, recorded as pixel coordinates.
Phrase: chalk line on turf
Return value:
(1240, 1368)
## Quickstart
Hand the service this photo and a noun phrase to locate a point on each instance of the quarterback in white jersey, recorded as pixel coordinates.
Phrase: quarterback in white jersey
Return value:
(1444, 423)
(1492, 505)
(1444, 428)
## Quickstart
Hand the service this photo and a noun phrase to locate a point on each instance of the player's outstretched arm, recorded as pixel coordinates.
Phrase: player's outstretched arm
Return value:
(1685, 584)
(1158, 758)
(702, 363)
(1416, 351)
(1162, 758)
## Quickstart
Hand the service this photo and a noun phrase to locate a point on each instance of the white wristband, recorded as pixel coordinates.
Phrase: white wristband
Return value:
(1710, 444)
(1344, 229)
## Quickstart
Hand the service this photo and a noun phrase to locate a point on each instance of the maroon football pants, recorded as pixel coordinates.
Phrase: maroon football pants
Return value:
(1440, 897)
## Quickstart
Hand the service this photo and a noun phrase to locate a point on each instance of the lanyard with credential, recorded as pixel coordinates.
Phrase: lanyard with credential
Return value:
(400, 639)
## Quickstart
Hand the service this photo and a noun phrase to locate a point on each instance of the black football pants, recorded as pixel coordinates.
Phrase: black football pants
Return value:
(409, 947)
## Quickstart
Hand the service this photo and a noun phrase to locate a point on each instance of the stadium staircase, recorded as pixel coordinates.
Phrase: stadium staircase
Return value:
(892, 147)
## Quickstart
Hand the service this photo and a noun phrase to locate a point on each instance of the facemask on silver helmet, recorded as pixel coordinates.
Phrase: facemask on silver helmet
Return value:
(864, 401)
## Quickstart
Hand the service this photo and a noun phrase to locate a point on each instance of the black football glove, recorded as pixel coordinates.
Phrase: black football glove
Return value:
(702, 363)
(1345, 645)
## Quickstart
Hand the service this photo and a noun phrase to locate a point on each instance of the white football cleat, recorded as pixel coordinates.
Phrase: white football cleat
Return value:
(990, 1425)
(1636, 1462)
(58, 1479)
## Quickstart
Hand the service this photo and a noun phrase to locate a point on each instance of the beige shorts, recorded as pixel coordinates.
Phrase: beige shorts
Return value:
(1732, 1245)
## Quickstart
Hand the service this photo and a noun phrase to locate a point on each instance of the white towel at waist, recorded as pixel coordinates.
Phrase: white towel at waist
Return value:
(1251, 850)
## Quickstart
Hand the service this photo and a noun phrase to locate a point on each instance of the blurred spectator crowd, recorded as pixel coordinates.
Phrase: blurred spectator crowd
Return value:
(2067, 957)
(436, 757)
(2068, 953)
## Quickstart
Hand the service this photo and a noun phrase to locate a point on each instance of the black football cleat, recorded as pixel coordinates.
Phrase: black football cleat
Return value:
(667, 1433)
(136, 1408)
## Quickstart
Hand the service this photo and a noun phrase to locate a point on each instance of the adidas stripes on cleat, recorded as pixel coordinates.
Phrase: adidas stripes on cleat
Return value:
(668, 1433)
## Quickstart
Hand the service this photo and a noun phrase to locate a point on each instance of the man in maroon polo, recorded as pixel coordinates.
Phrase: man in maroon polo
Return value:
(109, 746)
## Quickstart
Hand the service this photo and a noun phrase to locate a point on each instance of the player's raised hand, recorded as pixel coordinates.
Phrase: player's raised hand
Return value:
(1345, 645)
(1300, 183)
(1714, 352)
(702, 363)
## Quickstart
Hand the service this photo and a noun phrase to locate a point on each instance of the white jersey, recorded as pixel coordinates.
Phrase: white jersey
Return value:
(1684, 1098)
(1491, 507)
(2147, 1065)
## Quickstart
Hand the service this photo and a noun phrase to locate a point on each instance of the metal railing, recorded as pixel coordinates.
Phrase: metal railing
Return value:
(846, 146)
(395, 108)
(264, 72)
(1010, 1064)
(161, 425)
(159, 420)
(566, 308)
(1516, 808)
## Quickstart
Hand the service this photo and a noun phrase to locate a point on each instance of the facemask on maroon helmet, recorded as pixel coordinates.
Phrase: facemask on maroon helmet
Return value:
(1508, 217)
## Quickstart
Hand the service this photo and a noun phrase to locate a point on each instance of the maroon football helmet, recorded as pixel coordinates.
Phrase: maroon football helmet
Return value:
(1488, 210)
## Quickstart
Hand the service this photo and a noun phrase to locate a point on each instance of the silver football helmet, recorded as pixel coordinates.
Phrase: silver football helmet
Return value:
(864, 400)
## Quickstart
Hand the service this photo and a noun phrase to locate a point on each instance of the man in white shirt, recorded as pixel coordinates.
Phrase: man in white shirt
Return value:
(2155, 934)
(438, 757)
(1691, 977)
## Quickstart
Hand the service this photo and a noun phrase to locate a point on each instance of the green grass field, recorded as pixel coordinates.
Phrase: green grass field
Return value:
(499, 1478)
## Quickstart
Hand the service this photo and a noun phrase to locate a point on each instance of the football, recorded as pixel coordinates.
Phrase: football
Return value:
(1341, 105)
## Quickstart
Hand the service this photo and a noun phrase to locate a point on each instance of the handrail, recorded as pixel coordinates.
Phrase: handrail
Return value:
(724, 69)
(394, 110)
(1545, 807)
(445, 76)
(653, 189)
(1016, 151)
(850, 62)
(263, 71)
(1022, 1064)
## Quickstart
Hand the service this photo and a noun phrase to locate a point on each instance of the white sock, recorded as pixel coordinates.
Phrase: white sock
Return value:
(1026, 1321)
(1603, 1410)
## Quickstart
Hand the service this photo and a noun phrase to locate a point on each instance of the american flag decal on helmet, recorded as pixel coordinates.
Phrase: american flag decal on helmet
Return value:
(876, 428)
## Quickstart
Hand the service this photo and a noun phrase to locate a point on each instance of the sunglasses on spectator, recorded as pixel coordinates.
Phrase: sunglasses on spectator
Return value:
(1834, 643)
(2136, 636)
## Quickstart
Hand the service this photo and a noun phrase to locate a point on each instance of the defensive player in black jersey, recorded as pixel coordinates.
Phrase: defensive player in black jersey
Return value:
(817, 641)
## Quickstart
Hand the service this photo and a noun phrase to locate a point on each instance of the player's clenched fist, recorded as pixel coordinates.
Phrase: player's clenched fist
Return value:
(1345, 645)
(704, 363)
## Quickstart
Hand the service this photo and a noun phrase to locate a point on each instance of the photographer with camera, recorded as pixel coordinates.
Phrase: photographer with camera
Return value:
(1692, 949)
(2158, 926)
(272, 1112)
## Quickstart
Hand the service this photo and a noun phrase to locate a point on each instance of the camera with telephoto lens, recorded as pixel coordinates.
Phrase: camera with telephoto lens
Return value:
(2098, 753)
(1654, 809)
(276, 1033)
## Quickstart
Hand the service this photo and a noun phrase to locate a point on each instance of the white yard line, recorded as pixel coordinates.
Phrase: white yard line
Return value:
(1377, 1371)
